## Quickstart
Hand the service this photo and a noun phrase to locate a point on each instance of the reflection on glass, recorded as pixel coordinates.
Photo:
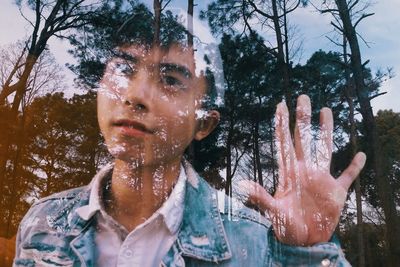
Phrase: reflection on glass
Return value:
(161, 90)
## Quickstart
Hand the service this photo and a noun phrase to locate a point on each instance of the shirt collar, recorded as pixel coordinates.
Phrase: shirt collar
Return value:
(96, 189)
(171, 210)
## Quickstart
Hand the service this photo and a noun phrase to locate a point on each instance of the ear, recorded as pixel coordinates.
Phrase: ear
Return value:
(207, 125)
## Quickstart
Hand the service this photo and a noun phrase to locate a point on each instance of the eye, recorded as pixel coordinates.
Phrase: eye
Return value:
(172, 82)
(124, 69)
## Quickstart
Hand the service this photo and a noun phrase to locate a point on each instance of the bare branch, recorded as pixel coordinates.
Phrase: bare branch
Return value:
(287, 11)
(166, 4)
(336, 26)
(333, 41)
(36, 27)
(25, 18)
(351, 6)
(361, 18)
(376, 95)
(258, 10)
(362, 38)
(246, 23)
(237, 161)
(329, 10)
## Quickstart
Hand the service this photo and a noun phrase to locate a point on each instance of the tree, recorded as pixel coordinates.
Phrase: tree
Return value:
(46, 76)
(373, 242)
(322, 79)
(229, 14)
(249, 99)
(52, 18)
(118, 24)
(59, 152)
(158, 6)
(348, 14)
(388, 129)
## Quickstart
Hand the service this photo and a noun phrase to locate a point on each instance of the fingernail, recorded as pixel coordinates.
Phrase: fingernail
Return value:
(362, 158)
(304, 98)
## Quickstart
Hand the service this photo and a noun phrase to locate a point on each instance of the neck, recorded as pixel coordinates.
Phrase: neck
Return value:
(137, 191)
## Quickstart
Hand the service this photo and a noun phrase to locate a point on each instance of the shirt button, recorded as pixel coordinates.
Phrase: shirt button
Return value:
(325, 262)
(128, 253)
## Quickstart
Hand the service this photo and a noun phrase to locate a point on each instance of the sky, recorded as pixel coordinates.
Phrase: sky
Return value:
(381, 31)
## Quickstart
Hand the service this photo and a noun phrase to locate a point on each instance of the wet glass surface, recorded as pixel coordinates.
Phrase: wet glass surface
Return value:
(196, 140)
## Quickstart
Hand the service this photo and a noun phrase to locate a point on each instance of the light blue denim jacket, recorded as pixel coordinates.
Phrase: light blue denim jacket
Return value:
(213, 233)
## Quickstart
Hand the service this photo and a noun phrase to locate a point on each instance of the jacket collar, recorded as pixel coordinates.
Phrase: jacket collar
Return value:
(202, 234)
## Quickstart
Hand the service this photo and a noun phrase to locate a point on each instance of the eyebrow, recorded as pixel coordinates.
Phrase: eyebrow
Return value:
(126, 56)
(177, 68)
(163, 66)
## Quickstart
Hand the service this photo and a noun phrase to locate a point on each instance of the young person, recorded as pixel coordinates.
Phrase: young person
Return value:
(150, 208)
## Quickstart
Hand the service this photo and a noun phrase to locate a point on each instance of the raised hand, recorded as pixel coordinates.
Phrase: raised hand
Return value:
(308, 201)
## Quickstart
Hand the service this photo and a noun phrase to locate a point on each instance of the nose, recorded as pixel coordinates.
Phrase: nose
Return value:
(140, 92)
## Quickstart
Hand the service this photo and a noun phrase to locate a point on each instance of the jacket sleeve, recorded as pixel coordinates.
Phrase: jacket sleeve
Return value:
(321, 254)
(21, 238)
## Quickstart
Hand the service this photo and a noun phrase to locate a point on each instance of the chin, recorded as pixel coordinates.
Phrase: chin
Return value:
(127, 153)
(136, 155)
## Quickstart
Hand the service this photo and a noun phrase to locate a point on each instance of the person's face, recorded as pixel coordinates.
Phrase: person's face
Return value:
(149, 102)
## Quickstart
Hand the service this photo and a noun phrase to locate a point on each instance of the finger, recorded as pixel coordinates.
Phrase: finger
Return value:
(324, 145)
(278, 144)
(352, 171)
(257, 195)
(302, 135)
(284, 146)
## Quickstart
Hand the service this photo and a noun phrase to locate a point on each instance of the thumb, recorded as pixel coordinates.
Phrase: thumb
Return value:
(257, 195)
(353, 170)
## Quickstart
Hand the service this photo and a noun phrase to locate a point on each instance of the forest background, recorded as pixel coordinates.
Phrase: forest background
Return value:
(50, 141)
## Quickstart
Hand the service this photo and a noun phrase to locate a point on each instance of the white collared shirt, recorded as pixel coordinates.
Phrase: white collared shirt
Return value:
(148, 243)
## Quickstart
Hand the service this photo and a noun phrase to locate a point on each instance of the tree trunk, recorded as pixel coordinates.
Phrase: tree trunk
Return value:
(7, 90)
(15, 186)
(228, 178)
(190, 23)
(157, 22)
(354, 148)
(383, 184)
(20, 89)
(272, 151)
(282, 64)
(257, 153)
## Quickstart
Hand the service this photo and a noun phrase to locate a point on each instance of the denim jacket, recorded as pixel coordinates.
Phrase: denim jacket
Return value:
(215, 231)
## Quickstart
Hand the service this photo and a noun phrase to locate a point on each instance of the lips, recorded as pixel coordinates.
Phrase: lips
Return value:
(132, 128)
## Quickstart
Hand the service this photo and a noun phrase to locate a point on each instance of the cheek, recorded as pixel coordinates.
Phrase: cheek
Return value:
(103, 107)
(115, 82)
(185, 116)
(178, 125)
(112, 91)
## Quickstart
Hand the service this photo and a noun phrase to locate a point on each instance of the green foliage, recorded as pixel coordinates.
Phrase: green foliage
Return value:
(250, 99)
(118, 24)
(388, 126)
(222, 15)
(374, 241)
(55, 146)
(322, 78)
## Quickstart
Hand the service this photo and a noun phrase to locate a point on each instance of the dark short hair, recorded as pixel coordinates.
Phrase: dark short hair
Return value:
(174, 31)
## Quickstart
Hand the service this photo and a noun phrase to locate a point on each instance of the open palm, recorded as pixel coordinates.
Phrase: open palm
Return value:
(306, 206)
